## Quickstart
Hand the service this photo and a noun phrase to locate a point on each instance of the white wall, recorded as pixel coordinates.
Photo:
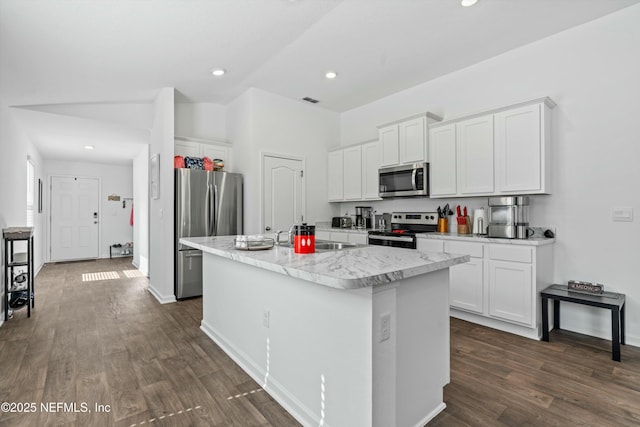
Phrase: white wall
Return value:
(15, 147)
(592, 73)
(141, 212)
(114, 179)
(260, 121)
(201, 120)
(161, 250)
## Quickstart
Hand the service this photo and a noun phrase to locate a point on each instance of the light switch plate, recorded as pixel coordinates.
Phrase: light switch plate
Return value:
(622, 213)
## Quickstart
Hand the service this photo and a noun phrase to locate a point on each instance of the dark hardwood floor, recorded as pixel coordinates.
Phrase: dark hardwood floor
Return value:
(109, 342)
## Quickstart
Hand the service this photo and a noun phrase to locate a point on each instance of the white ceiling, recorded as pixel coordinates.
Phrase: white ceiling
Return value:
(94, 51)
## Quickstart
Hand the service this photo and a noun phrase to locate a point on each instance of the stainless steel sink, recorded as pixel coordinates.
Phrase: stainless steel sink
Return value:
(326, 245)
(334, 246)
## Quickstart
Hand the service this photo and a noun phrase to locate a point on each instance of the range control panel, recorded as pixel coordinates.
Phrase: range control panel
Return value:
(416, 218)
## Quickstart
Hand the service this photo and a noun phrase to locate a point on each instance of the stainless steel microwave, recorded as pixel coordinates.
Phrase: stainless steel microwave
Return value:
(405, 180)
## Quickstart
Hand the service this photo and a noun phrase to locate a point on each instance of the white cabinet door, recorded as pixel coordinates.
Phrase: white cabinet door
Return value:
(429, 245)
(187, 149)
(339, 236)
(518, 140)
(510, 291)
(371, 159)
(475, 156)
(466, 290)
(389, 139)
(335, 178)
(323, 235)
(412, 137)
(352, 163)
(215, 152)
(442, 161)
(359, 238)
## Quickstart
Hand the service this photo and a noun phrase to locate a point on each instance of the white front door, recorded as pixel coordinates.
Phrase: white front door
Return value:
(283, 192)
(74, 218)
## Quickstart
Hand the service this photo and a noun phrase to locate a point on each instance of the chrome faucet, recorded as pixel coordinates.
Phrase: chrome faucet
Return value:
(289, 235)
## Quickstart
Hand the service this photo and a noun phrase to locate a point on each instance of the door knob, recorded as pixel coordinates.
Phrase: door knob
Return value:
(268, 228)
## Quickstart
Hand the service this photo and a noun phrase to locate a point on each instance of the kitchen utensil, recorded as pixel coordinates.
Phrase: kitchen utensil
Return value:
(440, 212)
(253, 243)
(443, 225)
(458, 211)
(446, 210)
(465, 212)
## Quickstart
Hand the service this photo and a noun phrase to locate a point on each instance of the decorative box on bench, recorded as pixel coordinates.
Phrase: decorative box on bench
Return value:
(588, 287)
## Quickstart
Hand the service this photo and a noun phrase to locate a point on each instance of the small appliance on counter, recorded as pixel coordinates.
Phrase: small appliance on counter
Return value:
(509, 217)
(480, 222)
(341, 222)
(383, 221)
(364, 217)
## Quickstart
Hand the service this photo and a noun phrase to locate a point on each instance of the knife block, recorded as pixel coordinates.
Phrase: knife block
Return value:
(465, 228)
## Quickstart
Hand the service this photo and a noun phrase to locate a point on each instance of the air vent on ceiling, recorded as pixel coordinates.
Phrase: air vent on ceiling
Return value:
(311, 100)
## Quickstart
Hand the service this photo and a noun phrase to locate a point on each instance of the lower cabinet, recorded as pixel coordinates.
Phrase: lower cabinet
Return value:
(500, 286)
(510, 291)
(342, 236)
(466, 281)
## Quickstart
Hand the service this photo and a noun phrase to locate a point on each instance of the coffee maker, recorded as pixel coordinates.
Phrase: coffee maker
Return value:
(364, 217)
(509, 217)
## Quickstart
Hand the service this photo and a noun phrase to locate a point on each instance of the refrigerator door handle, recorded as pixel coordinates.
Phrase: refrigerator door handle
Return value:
(215, 214)
(207, 211)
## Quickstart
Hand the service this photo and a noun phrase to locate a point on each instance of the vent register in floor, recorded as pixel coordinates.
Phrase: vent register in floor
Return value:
(110, 275)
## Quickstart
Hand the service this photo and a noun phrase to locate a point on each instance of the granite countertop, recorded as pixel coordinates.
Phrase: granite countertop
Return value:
(532, 241)
(345, 269)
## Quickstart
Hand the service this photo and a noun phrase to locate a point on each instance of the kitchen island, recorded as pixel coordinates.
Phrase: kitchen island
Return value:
(357, 337)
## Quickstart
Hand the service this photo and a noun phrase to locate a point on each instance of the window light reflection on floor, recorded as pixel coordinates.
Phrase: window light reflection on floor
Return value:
(104, 275)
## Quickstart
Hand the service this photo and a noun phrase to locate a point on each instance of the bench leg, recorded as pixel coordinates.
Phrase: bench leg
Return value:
(622, 311)
(545, 319)
(615, 334)
(556, 314)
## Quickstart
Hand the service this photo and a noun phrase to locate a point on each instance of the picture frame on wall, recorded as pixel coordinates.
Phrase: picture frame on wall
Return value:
(154, 179)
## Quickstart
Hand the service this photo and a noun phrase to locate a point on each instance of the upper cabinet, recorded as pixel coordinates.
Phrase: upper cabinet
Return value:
(474, 143)
(192, 147)
(405, 141)
(353, 172)
(500, 152)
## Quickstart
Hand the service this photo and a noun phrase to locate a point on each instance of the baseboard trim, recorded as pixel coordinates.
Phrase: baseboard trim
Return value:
(441, 407)
(162, 299)
(280, 394)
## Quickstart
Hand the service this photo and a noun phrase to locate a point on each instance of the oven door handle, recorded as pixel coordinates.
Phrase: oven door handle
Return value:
(414, 174)
(392, 238)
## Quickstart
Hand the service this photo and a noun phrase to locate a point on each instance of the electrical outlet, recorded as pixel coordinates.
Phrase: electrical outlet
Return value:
(385, 327)
(622, 213)
(265, 318)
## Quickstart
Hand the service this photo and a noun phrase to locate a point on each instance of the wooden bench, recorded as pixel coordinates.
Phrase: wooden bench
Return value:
(609, 300)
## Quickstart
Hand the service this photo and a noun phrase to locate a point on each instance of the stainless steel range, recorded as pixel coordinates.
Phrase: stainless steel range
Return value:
(404, 228)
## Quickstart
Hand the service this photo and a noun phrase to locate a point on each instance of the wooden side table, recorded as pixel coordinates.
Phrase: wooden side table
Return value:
(609, 300)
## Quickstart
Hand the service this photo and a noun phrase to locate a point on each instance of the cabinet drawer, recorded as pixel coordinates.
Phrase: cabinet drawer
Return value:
(465, 248)
(511, 253)
(358, 238)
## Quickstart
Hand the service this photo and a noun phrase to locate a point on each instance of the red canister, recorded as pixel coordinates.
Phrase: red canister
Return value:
(304, 239)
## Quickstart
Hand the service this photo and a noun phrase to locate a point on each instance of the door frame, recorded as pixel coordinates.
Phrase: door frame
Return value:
(264, 154)
(49, 212)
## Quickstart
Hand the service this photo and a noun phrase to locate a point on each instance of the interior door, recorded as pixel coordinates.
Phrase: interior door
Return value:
(75, 218)
(283, 193)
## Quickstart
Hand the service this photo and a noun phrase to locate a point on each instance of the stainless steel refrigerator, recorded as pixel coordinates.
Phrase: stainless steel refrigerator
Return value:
(206, 204)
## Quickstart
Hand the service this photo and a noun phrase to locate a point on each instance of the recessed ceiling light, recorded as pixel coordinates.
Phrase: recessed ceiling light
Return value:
(218, 72)
(467, 3)
(331, 75)
(89, 147)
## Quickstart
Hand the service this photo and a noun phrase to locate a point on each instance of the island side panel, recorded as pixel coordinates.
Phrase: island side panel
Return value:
(316, 336)
(423, 350)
